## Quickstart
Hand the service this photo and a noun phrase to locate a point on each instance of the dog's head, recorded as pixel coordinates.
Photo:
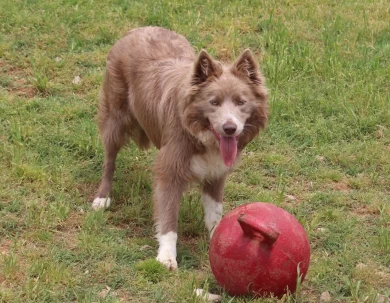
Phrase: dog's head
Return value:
(226, 104)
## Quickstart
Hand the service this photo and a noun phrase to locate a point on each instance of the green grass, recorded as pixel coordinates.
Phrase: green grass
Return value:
(325, 155)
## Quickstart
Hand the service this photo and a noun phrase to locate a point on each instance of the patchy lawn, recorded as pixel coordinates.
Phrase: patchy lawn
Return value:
(325, 155)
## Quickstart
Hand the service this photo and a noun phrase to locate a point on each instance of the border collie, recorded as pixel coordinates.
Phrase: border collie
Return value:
(197, 112)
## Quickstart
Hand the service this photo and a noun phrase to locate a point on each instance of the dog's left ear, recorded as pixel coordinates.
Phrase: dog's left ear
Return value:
(246, 67)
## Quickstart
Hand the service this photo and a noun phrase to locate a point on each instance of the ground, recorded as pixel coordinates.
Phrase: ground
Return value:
(325, 155)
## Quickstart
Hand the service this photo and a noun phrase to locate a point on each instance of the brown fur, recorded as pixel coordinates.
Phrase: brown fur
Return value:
(156, 90)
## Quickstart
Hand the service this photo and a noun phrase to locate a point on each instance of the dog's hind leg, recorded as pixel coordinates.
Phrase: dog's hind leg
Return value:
(102, 199)
(112, 125)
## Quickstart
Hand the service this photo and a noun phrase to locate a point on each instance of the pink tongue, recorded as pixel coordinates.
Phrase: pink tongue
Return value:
(228, 147)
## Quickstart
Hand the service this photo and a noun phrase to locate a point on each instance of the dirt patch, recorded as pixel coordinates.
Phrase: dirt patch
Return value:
(72, 223)
(341, 186)
(363, 211)
(372, 275)
(67, 230)
(87, 190)
(19, 84)
(5, 247)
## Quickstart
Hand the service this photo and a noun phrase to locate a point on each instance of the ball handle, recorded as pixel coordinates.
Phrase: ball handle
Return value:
(253, 228)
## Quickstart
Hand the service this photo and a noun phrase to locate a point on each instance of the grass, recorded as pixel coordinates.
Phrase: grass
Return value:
(325, 155)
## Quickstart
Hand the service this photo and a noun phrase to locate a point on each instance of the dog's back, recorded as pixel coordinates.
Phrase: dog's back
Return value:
(144, 70)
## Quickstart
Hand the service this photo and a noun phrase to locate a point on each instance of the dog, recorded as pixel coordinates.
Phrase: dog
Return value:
(199, 114)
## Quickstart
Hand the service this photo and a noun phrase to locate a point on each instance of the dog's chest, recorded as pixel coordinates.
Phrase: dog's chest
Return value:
(208, 166)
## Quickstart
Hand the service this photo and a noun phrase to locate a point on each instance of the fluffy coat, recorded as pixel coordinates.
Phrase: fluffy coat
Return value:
(199, 113)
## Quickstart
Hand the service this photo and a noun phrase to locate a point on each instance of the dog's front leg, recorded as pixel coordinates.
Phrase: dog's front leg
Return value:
(168, 190)
(167, 198)
(212, 197)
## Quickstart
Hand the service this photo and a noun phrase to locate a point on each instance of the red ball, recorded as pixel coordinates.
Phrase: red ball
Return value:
(258, 249)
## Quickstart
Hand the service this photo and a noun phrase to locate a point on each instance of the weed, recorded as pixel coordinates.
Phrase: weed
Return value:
(10, 264)
(39, 79)
(384, 239)
(152, 270)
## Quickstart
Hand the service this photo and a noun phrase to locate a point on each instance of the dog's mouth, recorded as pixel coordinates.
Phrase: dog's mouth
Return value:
(227, 147)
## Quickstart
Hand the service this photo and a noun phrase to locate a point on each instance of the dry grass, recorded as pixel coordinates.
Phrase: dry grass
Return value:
(324, 156)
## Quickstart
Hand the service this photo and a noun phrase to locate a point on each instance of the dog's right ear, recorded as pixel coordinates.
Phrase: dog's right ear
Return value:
(205, 68)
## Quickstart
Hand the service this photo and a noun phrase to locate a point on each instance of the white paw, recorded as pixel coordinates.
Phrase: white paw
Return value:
(101, 203)
(167, 250)
(168, 262)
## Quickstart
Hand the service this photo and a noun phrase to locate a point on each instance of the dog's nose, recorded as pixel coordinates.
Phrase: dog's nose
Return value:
(229, 128)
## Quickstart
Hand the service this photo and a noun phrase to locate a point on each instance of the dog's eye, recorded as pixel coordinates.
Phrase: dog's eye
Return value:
(241, 102)
(214, 103)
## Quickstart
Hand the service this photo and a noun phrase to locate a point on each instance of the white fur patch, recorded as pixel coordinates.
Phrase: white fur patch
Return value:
(207, 296)
(209, 166)
(228, 112)
(213, 212)
(101, 203)
(167, 250)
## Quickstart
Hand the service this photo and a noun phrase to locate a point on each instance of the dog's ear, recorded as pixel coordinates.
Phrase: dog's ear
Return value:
(205, 68)
(246, 67)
